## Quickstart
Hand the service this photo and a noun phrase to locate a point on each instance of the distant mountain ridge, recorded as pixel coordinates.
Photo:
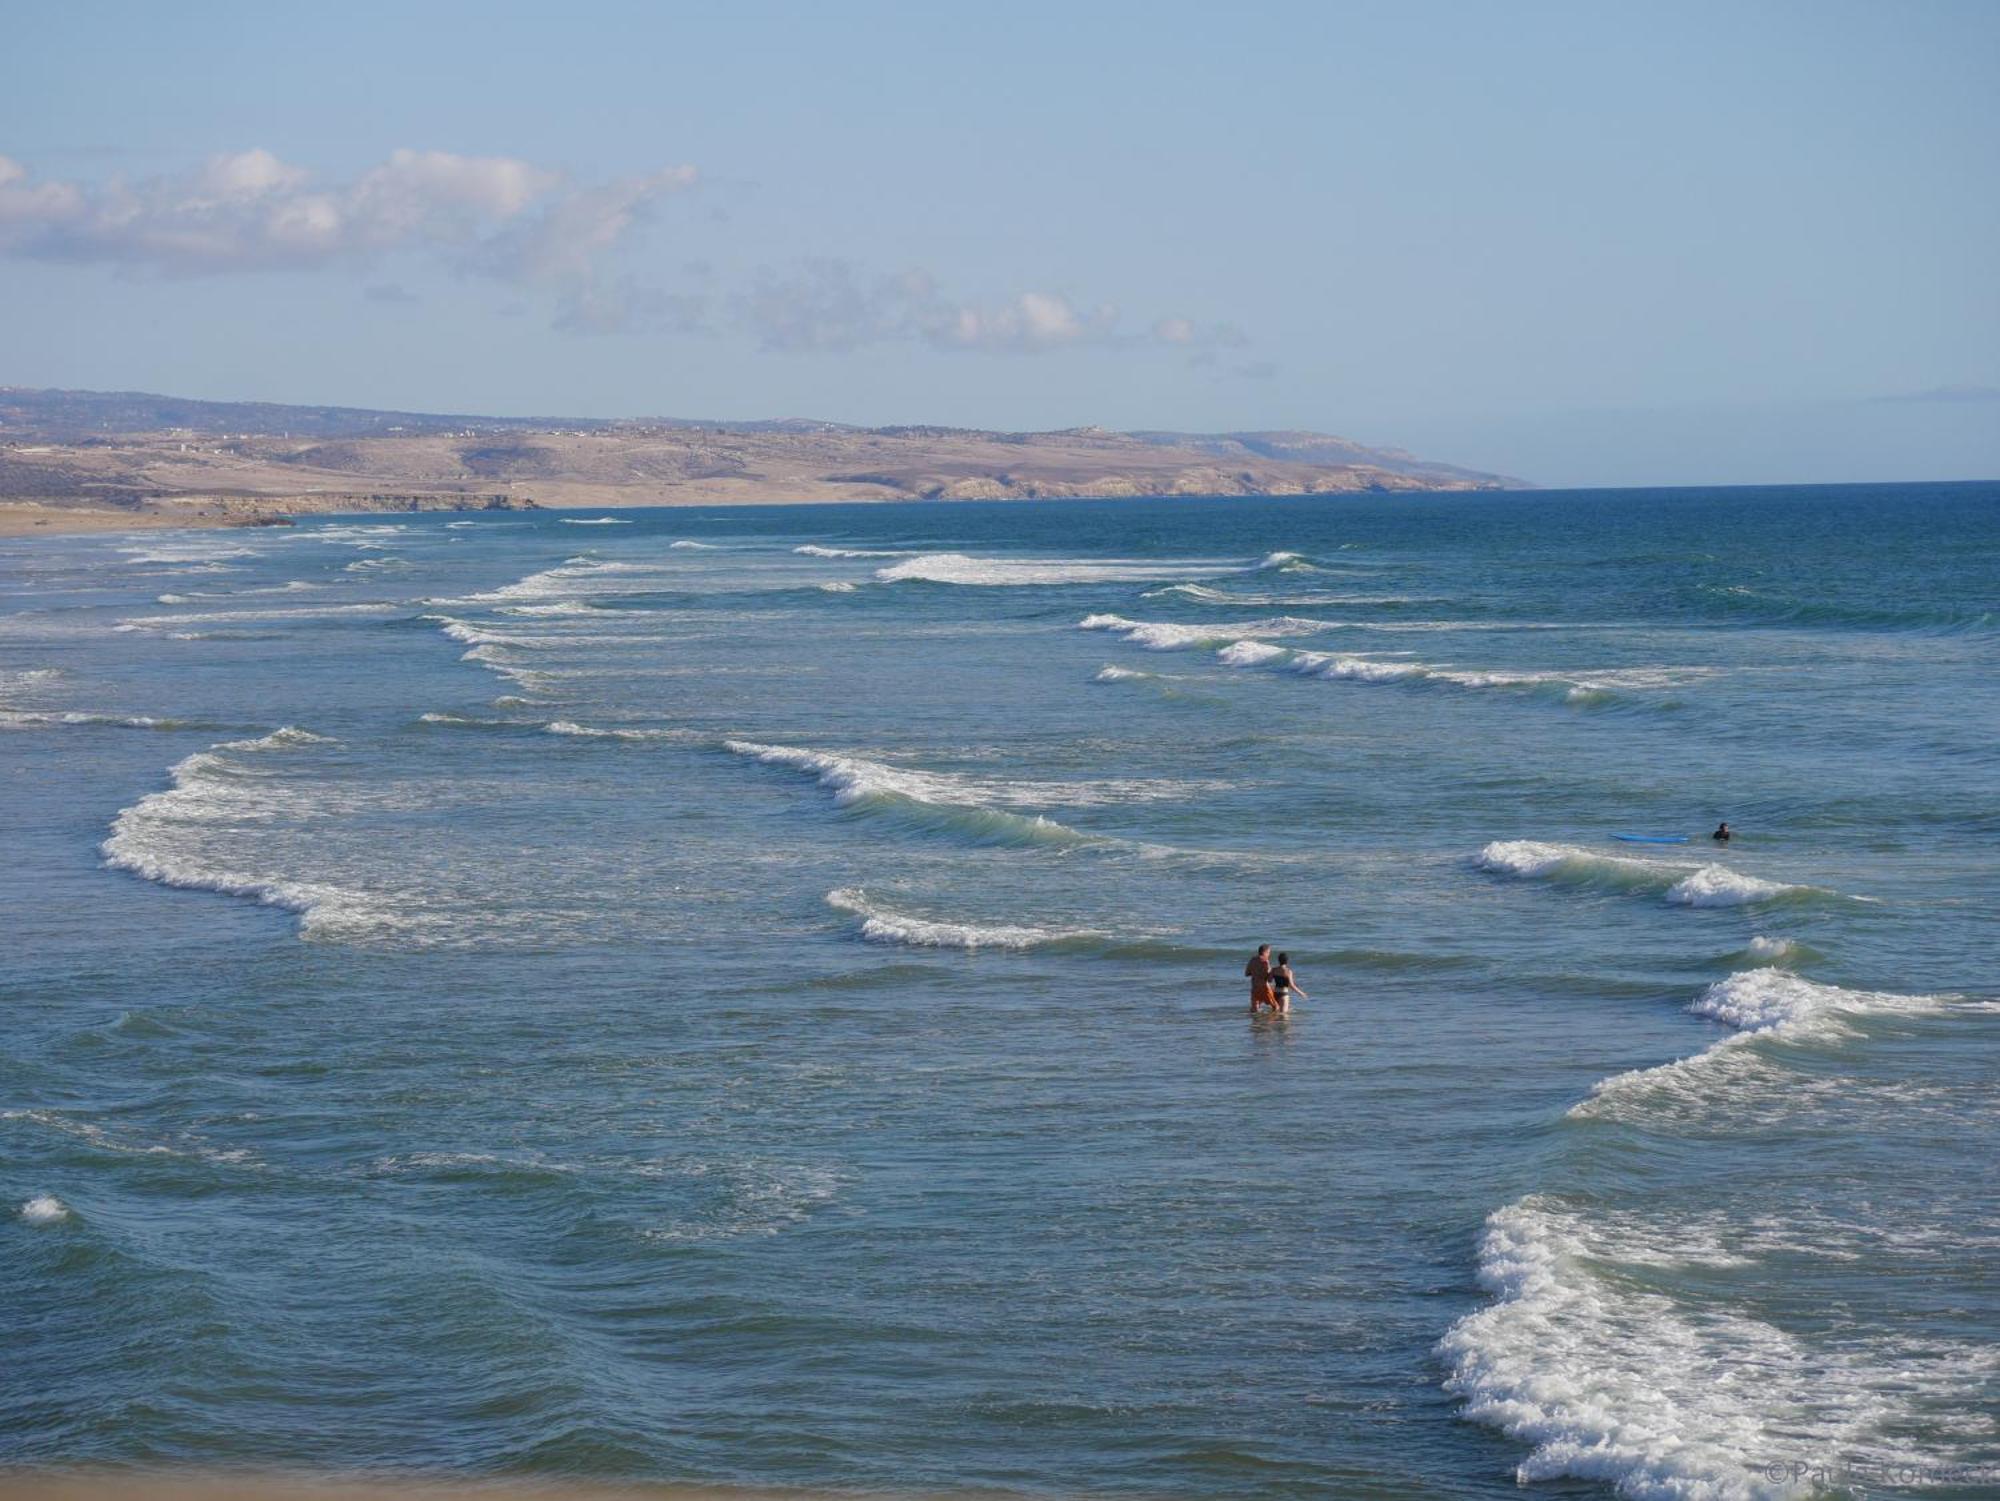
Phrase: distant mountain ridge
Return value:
(71, 416)
(139, 452)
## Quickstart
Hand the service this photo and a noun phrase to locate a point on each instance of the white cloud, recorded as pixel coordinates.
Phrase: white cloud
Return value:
(251, 211)
(828, 305)
(532, 227)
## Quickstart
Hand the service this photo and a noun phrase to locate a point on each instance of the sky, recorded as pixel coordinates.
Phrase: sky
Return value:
(1583, 243)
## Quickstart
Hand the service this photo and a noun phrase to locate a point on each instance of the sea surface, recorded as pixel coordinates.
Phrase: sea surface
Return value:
(754, 996)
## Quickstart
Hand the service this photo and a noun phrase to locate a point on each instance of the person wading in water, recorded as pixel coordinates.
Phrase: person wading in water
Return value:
(1259, 972)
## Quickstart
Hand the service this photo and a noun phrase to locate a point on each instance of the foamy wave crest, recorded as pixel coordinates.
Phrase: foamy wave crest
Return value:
(185, 552)
(1719, 886)
(1172, 636)
(161, 838)
(838, 588)
(44, 1209)
(593, 521)
(814, 550)
(592, 732)
(1112, 674)
(881, 925)
(959, 568)
(1684, 885)
(689, 544)
(1610, 1382)
(1369, 667)
(570, 582)
(33, 719)
(275, 616)
(946, 803)
(1755, 1003)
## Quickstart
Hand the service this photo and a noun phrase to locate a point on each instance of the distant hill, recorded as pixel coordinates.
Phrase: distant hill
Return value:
(139, 451)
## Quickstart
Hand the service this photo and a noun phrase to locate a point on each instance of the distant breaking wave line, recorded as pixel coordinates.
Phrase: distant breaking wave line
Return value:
(962, 568)
(939, 802)
(1171, 636)
(1576, 687)
(815, 550)
(880, 924)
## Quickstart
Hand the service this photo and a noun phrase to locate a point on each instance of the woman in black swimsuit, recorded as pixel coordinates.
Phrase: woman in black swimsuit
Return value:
(1283, 986)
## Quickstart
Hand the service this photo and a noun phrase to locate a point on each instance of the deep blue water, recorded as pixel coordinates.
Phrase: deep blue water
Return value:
(639, 1000)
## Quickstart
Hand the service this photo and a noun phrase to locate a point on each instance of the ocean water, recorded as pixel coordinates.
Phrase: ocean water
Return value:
(754, 996)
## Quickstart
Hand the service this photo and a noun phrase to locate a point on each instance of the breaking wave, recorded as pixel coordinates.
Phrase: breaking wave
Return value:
(1393, 667)
(593, 521)
(1607, 1379)
(1170, 636)
(881, 924)
(930, 799)
(1683, 885)
(960, 568)
(163, 837)
(814, 550)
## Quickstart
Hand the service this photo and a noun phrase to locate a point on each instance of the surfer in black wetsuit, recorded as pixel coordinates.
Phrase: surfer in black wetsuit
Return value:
(1721, 834)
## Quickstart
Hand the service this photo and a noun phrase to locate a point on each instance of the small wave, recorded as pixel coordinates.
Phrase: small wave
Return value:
(44, 1209)
(959, 568)
(1237, 600)
(1583, 688)
(1763, 1002)
(1112, 674)
(687, 544)
(1684, 885)
(945, 803)
(882, 925)
(1172, 636)
(593, 521)
(30, 719)
(591, 732)
(838, 588)
(814, 550)
(272, 616)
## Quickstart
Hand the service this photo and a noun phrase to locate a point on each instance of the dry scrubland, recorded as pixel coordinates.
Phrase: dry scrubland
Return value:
(61, 469)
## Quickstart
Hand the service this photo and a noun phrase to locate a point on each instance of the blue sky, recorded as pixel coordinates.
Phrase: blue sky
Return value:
(1585, 243)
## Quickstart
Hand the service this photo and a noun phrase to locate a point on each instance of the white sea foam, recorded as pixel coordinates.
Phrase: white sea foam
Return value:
(1114, 674)
(1369, 667)
(1683, 885)
(164, 836)
(1250, 654)
(45, 1209)
(814, 550)
(946, 802)
(1611, 1382)
(593, 521)
(838, 588)
(959, 568)
(1719, 886)
(687, 544)
(1173, 636)
(199, 550)
(571, 581)
(880, 924)
(19, 719)
(270, 616)
(593, 732)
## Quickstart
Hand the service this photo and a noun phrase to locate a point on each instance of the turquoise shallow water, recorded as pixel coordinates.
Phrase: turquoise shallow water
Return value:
(752, 996)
